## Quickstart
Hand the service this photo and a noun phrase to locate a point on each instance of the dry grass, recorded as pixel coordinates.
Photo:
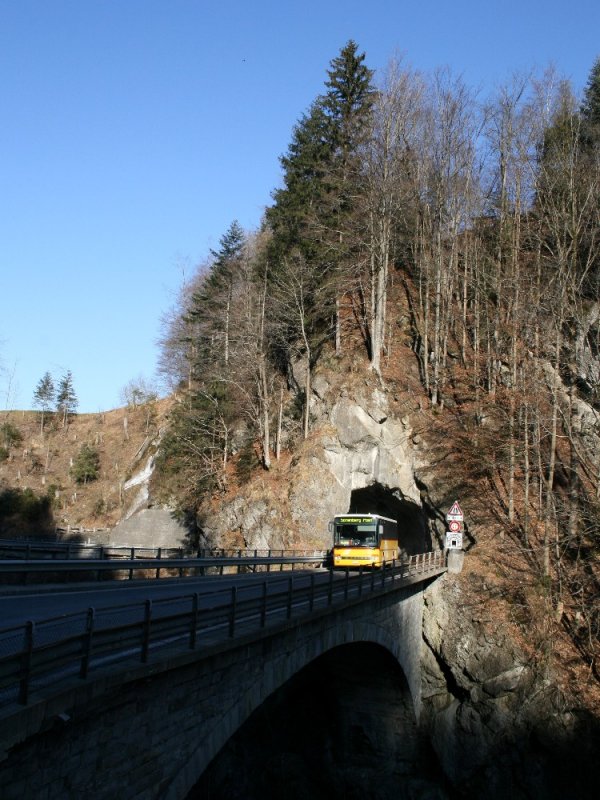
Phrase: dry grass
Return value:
(42, 461)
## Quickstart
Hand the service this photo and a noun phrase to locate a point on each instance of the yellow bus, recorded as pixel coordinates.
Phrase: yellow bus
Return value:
(363, 540)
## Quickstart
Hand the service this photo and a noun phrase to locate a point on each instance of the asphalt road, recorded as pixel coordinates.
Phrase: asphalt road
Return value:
(45, 604)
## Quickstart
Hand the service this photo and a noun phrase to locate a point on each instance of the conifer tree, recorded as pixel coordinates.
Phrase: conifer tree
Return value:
(348, 104)
(43, 396)
(86, 465)
(590, 108)
(211, 304)
(312, 217)
(66, 399)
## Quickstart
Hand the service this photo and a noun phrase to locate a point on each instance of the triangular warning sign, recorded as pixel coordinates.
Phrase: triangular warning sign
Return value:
(455, 511)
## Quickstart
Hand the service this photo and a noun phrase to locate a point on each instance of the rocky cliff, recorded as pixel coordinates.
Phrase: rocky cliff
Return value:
(501, 718)
(359, 457)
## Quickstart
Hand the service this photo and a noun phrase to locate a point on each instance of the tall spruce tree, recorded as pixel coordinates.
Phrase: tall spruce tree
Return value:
(590, 108)
(312, 213)
(211, 304)
(66, 399)
(43, 397)
(322, 157)
(348, 104)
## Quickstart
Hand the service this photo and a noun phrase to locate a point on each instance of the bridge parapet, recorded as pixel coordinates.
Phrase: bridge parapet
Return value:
(186, 681)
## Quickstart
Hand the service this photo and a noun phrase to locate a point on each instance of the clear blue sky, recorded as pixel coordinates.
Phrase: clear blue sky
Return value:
(134, 131)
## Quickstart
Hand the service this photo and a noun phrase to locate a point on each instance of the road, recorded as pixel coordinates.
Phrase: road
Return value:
(123, 613)
(16, 609)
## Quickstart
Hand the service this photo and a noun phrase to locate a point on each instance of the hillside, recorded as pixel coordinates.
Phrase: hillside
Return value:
(502, 583)
(42, 462)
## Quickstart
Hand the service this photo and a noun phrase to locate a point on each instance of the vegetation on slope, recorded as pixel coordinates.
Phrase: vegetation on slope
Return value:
(71, 475)
(477, 224)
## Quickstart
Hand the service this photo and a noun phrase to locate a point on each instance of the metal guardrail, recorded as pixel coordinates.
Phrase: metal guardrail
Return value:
(29, 549)
(39, 549)
(94, 569)
(35, 656)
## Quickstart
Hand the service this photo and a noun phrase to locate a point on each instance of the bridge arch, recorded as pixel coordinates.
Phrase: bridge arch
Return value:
(341, 725)
(392, 627)
(152, 729)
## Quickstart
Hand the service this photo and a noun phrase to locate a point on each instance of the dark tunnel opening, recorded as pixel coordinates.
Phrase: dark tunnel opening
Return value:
(343, 727)
(413, 530)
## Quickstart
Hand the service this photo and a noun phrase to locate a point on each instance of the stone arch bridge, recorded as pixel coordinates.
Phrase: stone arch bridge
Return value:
(150, 730)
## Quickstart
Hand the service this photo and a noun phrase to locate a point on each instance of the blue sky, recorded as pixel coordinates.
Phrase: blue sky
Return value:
(134, 131)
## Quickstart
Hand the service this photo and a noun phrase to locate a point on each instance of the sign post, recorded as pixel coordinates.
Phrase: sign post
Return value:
(455, 520)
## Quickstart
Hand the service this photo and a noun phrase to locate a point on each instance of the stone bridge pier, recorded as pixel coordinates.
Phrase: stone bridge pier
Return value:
(151, 731)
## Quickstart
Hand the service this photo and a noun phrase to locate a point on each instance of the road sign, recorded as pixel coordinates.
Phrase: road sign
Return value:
(455, 512)
(453, 541)
(454, 525)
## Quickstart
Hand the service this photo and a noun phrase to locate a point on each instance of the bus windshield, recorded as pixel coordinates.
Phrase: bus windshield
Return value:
(362, 534)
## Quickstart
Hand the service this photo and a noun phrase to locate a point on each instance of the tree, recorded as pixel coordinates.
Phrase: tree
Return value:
(590, 108)
(86, 465)
(66, 399)
(300, 203)
(295, 328)
(43, 397)
(314, 212)
(10, 435)
(348, 104)
(211, 304)
(138, 392)
(388, 193)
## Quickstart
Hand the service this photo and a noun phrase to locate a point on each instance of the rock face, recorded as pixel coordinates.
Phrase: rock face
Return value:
(359, 458)
(361, 447)
(498, 731)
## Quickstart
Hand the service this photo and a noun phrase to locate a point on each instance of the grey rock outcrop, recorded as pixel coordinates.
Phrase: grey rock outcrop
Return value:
(357, 445)
(496, 727)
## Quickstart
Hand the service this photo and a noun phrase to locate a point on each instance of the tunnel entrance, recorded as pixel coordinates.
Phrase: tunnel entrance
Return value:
(413, 531)
(343, 727)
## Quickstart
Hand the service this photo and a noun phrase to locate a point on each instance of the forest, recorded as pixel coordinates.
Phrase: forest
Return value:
(484, 215)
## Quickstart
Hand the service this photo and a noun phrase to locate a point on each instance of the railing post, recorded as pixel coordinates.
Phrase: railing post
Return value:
(87, 643)
(263, 605)
(330, 588)
(158, 558)
(289, 597)
(194, 622)
(146, 630)
(132, 557)
(26, 662)
(232, 611)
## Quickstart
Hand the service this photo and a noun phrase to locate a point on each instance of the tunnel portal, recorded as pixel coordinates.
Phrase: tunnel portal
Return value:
(413, 531)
